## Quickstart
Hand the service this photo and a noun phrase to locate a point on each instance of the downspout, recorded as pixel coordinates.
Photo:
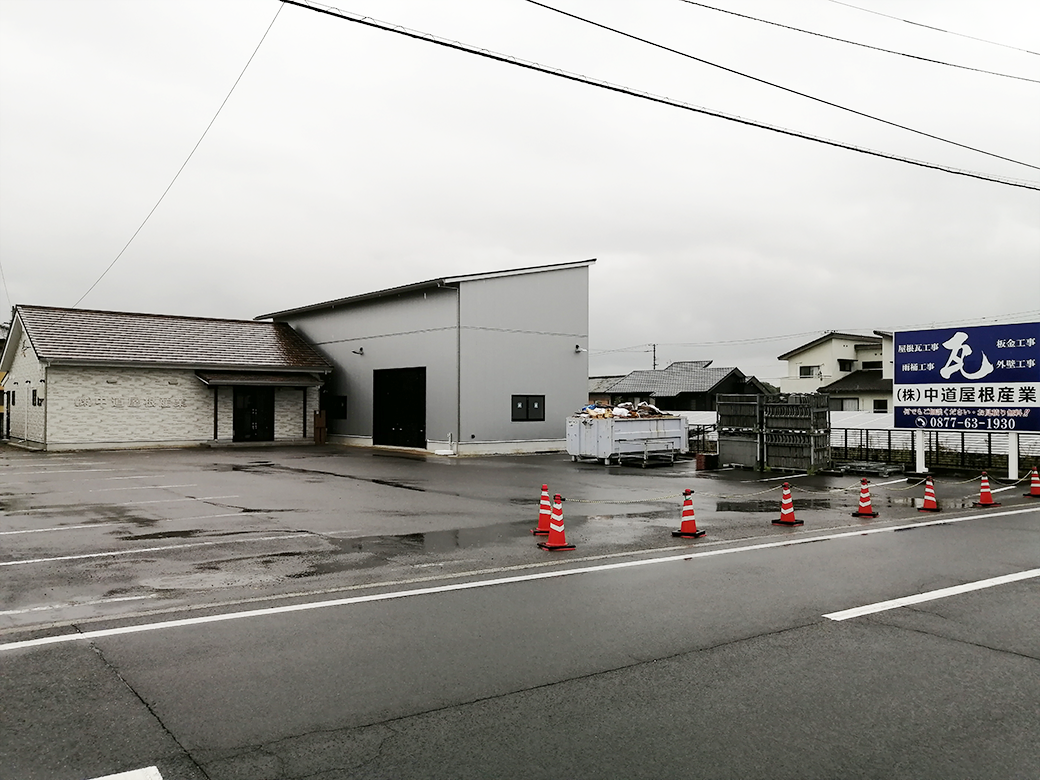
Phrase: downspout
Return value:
(46, 394)
(305, 413)
(216, 406)
(458, 368)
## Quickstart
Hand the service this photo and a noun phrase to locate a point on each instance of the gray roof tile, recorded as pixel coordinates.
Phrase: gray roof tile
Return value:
(106, 337)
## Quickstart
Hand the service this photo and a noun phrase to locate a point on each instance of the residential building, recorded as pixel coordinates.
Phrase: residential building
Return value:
(854, 370)
(690, 385)
(83, 379)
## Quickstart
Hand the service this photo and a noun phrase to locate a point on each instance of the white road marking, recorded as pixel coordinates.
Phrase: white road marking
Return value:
(777, 479)
(64, 471)
(143, 487)
(168, 624)
(931, 595)
(1001, 490)
(173, 500)
(105, 524)
(49, 607)
(139, 476)
(149, 773)
(140, 550)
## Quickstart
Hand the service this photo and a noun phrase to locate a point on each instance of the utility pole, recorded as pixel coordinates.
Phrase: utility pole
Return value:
(653, 348)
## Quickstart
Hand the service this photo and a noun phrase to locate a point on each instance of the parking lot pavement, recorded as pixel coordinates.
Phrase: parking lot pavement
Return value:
(86, 538)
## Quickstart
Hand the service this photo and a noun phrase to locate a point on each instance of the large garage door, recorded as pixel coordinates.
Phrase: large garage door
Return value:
(399, 407)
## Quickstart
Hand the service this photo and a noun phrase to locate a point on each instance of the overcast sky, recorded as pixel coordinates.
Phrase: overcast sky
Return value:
(349, 159)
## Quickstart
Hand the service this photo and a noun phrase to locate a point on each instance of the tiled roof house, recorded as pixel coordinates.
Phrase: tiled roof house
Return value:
(88, 379)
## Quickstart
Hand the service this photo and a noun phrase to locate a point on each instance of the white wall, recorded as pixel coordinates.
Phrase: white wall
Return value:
(126, 406)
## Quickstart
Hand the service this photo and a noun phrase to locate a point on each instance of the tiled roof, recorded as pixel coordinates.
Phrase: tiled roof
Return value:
(108, 337)
(692, 376)
(866, 380)
(600, 384)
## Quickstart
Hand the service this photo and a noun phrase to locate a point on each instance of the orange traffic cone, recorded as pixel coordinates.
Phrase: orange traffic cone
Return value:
(865, 509)
(787, 508)
(985, 496)
(930, 504)
(557, 538)
(544, 514)
(688, 526)
(1034, 485)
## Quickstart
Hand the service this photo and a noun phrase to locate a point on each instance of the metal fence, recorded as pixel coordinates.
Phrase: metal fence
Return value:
(943, 449)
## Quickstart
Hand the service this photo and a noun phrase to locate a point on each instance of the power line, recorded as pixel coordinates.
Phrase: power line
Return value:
(3, 276)
(184, 164)
(864, 45)
(779, 86)
(399, 30)
(930, 27)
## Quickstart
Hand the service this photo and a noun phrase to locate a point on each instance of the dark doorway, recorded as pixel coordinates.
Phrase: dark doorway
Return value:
(254, 414)
(399, 407)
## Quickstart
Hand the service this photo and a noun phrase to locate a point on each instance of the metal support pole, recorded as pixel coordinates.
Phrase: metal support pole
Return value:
(919, 450)
(1012, 454)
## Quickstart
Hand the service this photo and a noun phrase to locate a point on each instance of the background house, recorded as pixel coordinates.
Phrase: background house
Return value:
(81, 379)
(475, 364)
(855, 370)
(690, 385)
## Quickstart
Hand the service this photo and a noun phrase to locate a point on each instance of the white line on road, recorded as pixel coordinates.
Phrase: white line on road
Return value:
(105, 524)
(931, 595)
(149, 773)
(49, 607)
(142, 487)
(167, 624)
(173, 500)
(63, 471)
(140, 550)
(777, 479)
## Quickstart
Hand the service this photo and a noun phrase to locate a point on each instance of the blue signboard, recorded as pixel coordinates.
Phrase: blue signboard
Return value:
(984, 378)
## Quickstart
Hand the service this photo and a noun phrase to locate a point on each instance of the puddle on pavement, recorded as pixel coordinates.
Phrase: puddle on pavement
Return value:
(772, 505)
(160, 535)
(365, 552)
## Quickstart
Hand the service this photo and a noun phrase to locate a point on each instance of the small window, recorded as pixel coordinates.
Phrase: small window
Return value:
(871, 364)
(808, 372)
(880, 405)
(34, 401)
(528, 408)
(846, 365)
(13, 392)
(337, 407)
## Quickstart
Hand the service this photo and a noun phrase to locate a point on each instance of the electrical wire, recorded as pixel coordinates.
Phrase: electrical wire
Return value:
(930, 27)
(509, 60)
(184, 164)
(864, 45)
(3, 277)
(779, 86)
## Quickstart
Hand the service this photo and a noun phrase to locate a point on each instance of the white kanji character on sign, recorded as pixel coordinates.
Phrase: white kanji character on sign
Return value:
(959, 349)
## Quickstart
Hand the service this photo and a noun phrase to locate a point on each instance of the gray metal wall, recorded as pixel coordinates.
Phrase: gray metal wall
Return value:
(403, 331)
(518, 338)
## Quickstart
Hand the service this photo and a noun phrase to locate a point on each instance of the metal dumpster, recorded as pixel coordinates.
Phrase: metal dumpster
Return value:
(611, 439)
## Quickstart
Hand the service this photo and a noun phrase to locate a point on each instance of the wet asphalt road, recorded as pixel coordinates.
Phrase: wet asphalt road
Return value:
(688, 664)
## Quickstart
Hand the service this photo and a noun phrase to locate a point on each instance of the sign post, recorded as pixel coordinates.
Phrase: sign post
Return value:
(984, 379)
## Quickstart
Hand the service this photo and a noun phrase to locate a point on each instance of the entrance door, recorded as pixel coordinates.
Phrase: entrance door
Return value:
(254, 414)
(399, 407)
